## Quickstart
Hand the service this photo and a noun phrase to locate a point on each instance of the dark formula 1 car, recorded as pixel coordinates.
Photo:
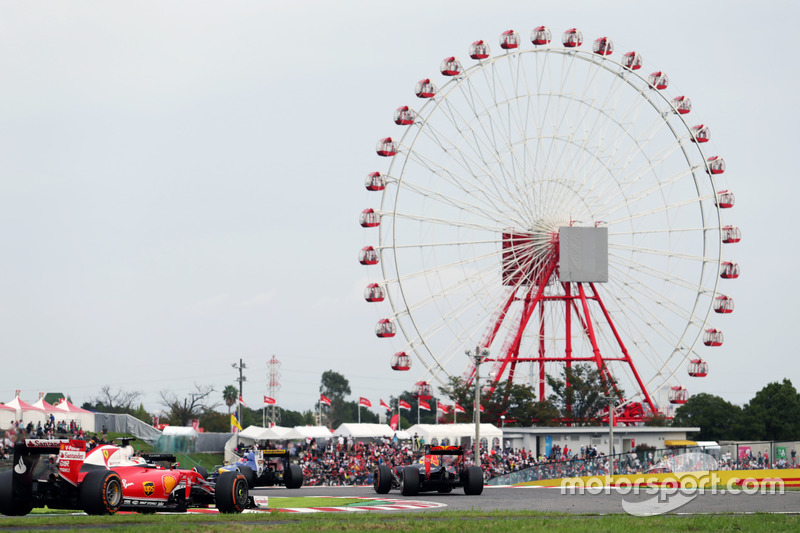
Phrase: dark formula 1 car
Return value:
(62, 474)
(440, 469)
(266, 468)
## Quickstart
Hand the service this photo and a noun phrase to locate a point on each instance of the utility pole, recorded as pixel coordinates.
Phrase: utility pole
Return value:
(477, 357)
(242, 378)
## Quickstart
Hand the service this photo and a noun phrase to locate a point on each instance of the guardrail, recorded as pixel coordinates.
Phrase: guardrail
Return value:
(735, 456)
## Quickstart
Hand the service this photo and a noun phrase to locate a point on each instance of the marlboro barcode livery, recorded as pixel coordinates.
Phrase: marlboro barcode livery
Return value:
(63, 474)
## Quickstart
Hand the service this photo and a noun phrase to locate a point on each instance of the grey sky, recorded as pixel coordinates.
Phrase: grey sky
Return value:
(181, 181)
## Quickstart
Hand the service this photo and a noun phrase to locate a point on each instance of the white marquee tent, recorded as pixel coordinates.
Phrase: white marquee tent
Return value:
(454, 433)
(370, 431)
(27, 412)
(7, 416)
(67, 411)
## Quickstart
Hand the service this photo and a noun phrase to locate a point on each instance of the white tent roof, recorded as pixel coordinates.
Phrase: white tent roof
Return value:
(21, 405)
(43, 405)
(454, 432)
(364, 431)
(313, 432)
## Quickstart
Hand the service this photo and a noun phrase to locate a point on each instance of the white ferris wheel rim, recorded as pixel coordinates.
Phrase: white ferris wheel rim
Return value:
(403, 182)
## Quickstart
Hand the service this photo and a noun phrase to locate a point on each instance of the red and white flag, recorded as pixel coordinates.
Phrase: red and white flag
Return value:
(241, 401)
(393, 423)
(402, 404)
(364, 402)
(460, 409)
(385, 405)
(269, 401)
(443, 408)
(324, 399)
(482, 409)
(424, 405)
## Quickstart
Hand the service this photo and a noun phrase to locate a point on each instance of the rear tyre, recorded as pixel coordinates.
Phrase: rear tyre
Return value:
(382, 479)
(293, 477)
(100, 493)
(231, 494)
(10, 506)
(249, 475)
(202, 471)
(473, 485)
(409, 483)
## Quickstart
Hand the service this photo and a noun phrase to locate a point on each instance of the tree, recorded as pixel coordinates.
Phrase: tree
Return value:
(716, 418)
(109, 401)
(582, 394)
(335, 387)
(772, 414)
(181, 411)
(230, 394)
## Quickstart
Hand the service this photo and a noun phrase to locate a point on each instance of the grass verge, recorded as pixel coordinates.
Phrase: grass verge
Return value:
(425, 522)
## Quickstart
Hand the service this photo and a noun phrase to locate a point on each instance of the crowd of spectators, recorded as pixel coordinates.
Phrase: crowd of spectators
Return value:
(344, 461)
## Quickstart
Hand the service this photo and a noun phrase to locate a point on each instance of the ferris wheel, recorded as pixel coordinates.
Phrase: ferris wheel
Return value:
(550, 206)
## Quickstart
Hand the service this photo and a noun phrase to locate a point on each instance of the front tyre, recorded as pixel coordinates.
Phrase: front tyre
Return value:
(293, 477)
(473, 485)
(100, 493)
(231, 494)
(382, 479)
(409, 483)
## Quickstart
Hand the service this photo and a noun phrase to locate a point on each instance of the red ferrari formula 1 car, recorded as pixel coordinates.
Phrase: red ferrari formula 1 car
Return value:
(440, 469)
(62, 474)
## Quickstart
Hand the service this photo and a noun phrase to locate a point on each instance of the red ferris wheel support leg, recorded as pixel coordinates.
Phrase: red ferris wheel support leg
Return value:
(511, 355)
(626, 356)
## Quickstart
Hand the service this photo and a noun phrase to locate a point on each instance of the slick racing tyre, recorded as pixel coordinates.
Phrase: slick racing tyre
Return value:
(201, 470)
(409, 483)
(231, 494)
(382, 479)
(10, 506)
(100, 493)
(473, 485)
(293, 477)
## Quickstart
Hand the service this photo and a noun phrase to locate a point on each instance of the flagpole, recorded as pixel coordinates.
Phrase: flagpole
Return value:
(418, 410)
(359, 411)
(436, 412)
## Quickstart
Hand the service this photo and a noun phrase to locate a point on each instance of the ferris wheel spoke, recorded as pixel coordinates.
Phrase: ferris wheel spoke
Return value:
(658, 274)
(661, 209)
(497, 203)
(663, 253)
(477, 167)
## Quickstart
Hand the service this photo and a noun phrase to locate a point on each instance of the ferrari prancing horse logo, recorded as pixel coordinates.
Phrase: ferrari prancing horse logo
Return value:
(149, 488)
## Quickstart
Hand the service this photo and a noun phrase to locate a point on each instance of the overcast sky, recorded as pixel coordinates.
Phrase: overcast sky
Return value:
(180, 181)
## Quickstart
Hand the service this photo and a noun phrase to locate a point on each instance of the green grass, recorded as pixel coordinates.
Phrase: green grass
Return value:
(433, 522)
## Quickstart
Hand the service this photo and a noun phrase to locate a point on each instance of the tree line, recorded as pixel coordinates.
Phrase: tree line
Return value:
(580, 397)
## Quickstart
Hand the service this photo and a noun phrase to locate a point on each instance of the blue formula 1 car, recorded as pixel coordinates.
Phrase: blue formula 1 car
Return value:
(265, 468)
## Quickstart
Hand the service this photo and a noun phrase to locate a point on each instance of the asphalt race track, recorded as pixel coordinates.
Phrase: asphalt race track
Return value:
(551, 499)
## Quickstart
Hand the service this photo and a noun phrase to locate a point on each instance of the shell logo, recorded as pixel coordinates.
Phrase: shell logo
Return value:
(169, 483)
